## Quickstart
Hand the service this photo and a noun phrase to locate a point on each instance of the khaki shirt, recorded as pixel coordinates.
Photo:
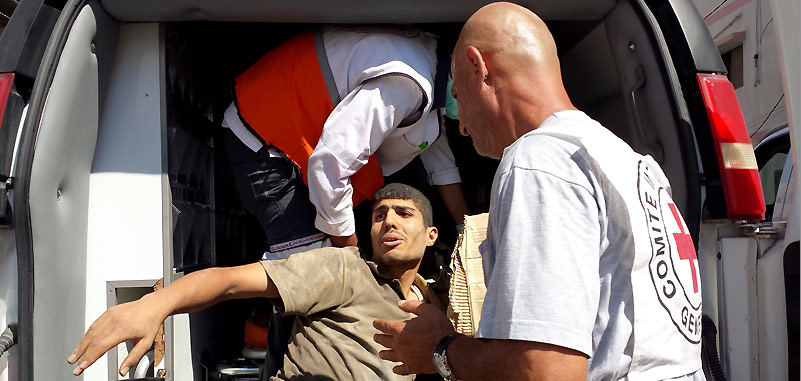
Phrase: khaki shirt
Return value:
(336, 296)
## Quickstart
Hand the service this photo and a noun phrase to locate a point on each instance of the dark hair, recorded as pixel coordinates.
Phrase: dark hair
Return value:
(404, 192)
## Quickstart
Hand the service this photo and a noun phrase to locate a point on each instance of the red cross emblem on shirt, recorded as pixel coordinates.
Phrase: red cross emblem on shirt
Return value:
(684, 245)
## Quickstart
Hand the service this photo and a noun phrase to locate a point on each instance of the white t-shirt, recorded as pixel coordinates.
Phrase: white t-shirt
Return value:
(567, 254)
(383, 75)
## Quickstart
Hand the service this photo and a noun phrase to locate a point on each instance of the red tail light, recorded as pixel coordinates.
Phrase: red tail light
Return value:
(738, 166)
(6, 81)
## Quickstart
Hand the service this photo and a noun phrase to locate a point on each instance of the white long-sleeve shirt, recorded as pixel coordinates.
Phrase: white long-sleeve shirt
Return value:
(362, 122)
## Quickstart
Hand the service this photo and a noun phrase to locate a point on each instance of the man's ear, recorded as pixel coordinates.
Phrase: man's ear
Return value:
(433, 233)
(477, 62)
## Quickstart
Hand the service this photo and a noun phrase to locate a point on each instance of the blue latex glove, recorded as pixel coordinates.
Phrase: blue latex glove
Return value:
(451, 108)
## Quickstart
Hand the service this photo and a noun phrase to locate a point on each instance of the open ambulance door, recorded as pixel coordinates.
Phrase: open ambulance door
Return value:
(51, 193)
(71, 193)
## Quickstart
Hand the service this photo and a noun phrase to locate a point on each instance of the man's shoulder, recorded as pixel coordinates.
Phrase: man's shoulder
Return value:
(544, 152)
(574, 137)
(574, 127)
(347, 256)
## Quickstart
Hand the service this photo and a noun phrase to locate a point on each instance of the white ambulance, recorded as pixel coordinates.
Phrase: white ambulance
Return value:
(112, 175)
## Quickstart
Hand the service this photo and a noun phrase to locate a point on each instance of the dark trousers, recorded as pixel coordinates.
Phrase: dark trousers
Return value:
(271, 189)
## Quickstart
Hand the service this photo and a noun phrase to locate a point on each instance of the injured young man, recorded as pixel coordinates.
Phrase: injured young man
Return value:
(333, 292)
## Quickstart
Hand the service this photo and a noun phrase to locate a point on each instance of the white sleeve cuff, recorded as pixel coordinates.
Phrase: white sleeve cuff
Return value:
(341, 229)
(231, 120)
(445, 177)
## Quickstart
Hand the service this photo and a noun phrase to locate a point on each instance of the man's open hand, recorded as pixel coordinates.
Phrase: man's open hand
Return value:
(411, 342)
(136, 321)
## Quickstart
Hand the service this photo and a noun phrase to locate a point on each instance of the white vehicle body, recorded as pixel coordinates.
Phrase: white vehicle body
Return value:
(114, 181)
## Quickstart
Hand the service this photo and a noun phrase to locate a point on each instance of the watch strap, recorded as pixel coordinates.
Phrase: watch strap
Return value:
(440, 358)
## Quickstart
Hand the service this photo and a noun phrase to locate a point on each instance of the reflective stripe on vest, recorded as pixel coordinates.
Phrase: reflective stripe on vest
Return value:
(285, 99)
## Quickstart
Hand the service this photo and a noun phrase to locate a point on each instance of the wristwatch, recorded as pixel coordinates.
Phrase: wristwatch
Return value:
(441, 358)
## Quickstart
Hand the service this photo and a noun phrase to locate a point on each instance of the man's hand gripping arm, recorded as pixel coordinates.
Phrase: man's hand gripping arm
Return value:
(411, 342)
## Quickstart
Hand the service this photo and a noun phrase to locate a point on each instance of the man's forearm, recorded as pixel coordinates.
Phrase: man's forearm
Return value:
(453, 197)
(481, 359)
(207, 287)
(412, 342)
(344, 241)
(139, 320)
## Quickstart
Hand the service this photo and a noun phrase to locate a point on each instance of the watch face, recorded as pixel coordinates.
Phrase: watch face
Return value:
(441, 363)
(438, 361)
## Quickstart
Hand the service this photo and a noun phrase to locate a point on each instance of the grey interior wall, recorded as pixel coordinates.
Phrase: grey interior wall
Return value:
(614, 75)
(59, 190)
(128, 210)
(590, 76)
(649, 103)
(339, 11)
(589, 71)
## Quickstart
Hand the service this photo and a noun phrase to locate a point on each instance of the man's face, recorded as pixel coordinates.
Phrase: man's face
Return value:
(474, 120)
(399, 233)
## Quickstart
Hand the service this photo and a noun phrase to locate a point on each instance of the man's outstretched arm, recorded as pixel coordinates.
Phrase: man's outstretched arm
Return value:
(412, 342)
(139, 320)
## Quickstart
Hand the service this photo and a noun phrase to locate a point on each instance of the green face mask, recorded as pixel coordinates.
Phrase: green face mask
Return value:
(451, 108)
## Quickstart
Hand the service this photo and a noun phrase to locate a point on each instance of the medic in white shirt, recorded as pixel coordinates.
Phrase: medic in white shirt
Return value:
(335, 109)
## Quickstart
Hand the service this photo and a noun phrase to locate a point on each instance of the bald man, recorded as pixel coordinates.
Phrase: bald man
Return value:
(589, 270)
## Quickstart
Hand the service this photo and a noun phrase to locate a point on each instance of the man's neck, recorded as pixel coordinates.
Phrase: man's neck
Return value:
(405, 276)
(531, 109)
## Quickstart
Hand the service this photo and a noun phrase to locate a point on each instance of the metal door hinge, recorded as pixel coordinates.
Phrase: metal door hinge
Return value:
(759, 230)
